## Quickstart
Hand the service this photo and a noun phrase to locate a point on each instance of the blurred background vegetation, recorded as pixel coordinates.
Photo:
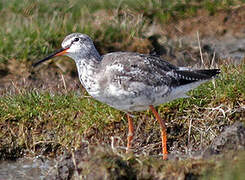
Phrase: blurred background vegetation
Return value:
(30, 28)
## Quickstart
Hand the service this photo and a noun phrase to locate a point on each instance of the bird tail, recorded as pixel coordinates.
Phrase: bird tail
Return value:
(209, 73)
(187, 76)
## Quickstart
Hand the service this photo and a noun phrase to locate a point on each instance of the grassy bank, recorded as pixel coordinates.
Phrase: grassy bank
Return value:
(34, 121)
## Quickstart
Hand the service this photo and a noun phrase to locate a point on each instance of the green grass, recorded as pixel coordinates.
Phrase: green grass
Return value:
(34, 115)
(71, 117)
(30, 28)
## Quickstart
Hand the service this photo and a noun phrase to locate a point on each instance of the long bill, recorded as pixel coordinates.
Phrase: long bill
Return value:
(59, 52)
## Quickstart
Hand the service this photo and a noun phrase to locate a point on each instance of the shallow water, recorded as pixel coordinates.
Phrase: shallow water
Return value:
(27, 168)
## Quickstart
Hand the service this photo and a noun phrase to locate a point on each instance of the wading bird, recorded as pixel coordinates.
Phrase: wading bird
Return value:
(130, 81)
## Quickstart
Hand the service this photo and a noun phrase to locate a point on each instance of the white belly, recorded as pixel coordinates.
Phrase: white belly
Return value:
(129, 101)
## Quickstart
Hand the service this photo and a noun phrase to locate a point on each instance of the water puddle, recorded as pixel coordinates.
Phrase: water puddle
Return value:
(27, 168)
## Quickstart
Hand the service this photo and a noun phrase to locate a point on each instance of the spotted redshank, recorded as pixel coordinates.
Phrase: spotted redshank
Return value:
(130, 81)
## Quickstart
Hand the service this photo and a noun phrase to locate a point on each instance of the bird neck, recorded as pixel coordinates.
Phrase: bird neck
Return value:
(88, 67)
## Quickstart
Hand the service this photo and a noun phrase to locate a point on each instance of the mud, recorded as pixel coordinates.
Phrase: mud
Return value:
(91, 162)
(98, 162)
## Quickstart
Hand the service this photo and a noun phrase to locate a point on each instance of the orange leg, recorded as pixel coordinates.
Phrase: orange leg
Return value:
(163, 132)
(130, 133)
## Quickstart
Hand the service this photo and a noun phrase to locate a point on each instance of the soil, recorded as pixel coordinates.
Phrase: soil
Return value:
(93, 165)
(97, 162)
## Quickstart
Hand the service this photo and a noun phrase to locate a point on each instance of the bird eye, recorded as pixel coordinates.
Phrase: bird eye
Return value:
(76, 39)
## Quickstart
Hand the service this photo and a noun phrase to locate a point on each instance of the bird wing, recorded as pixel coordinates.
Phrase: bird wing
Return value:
(152, 71)
(142, 68)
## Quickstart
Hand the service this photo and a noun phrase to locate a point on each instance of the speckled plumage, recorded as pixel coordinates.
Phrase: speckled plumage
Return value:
(130, 81)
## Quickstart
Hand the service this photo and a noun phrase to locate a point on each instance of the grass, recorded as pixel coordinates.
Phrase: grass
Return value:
(33, 27)
(33, 115)
(33, 118)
